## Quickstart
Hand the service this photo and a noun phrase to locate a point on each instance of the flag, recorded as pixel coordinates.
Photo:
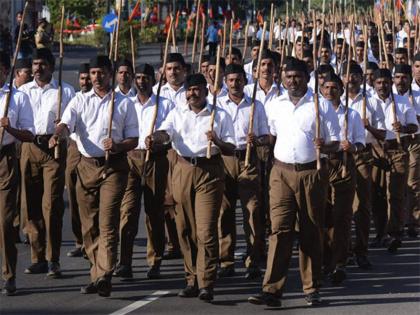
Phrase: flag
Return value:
(177, 19)
(136, 11)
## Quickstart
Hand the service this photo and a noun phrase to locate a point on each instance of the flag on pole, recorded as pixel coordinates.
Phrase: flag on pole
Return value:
(136, 13)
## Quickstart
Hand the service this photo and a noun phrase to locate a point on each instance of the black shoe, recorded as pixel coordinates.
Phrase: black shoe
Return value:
(206, 294)
(26, 240)
(226, 272)
(153, 273)
(9, 287)
(172, 255)
(75, 252)
(35, 268)
(104, 287)
(394, 245)
(265, 298)
(189, 291)
(338, 276)
(363, 262)
(253, 273)
(313, 299)
(89, 289)
(412, 231)
(54, 270)
(377, 242)
(123, 271)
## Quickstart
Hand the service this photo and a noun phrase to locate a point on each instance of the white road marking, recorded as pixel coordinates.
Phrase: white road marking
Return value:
(140, 303)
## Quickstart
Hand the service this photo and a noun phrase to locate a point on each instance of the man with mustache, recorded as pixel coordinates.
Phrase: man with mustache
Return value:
(174, 91)
(18, 125)
(242, 182)
(42, 174)
(402, 86)
(148, 178)
(23, 72)
(338, 212)
(296, 186)
(100, 186)
(374, 126)
(211, 77)
(416, 73)
(125, 78)
(73, 158)
(197, 181)
(390, 221)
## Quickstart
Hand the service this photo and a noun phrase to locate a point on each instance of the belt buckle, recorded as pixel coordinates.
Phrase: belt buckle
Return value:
(38, 140)
(194, 161)
(298, 167)
(237, 154)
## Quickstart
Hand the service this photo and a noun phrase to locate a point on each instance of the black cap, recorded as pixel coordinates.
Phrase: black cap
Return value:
(417, 57)
(45, 54)
(266, 54)
(176, 57)
(83, 68)
(236, 51)
(307, 53)
(382, 73)
(401, 50)
(100, 62)
(213, 62)
(340, 41)
(5, 60)
(360, 44)
(325, 69)
(388, 37)
(354, 68)
(234, 68)
(23, 63)
(296, 65)
(402, 69)
(255, 42)
(372, 65)
(195, 79)
(205, 58)
(125, 63)
(332, 77)
(145, 68)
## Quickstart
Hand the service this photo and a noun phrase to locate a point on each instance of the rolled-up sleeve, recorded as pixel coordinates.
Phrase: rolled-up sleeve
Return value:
(69, 117)
(358, 135)
(25, 116)
(131, 124)
(262, 123)
(330, 127)
(227, 132)
(168, 124)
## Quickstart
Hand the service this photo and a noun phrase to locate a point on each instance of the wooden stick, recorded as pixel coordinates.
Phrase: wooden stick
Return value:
(111, 46)
(346, 112)
(112, 102)
(197, 20)
(60, 84)
(316, 99)
(155, 113)
(224, 38)
(246, 42)
(174, 49)
(133, 55)
(270, 38)
(12, 71)
(216, 91)
(409, 44)
(280, 31)
(322, 39)
(230, 36)
(365, 62)
(203, 30)
(254, 94)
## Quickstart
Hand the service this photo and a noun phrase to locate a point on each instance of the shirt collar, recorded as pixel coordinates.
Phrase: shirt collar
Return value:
(52, 84)
(168, 86)
(208, 108)
(307, 97)
(150, 102)
(92, 93)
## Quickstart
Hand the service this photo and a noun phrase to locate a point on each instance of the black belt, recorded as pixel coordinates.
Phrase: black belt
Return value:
(139, 153)
(367, 148)
(336, 155)
(298, 167)
(100, 161)
(200, 160)
(413, 139)
(7, 148)
(394, 145)
(42, 140)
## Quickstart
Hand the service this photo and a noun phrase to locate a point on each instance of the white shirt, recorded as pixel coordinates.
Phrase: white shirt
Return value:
(145, 113)
(404, 111)
(414, 101)
(20, 112)
(415, 86)
(294, 127)
(88, 116)
(177, 97)
(132, 92)
(223, 92)
(374, 113)
(355, 128)
(248, 68)
(44, 103)
(187, 130)
(240, 115)
(261, 96)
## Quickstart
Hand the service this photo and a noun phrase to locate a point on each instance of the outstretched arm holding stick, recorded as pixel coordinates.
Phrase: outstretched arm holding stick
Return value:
(254, 93)
(12, 71)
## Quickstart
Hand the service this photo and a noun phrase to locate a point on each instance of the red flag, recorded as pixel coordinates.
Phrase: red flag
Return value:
(136, 11)
(177, 19)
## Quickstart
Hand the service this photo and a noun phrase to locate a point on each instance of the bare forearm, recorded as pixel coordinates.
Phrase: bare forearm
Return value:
(126, 145)
(330, 147)
(21, 135)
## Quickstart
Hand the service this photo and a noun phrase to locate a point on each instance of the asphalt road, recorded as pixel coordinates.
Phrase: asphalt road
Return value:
(391, 287)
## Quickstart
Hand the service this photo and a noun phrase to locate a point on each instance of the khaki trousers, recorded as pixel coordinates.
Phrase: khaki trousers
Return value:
(338, 212)
(243, 183)
(198, 193)
(8, 189)
(362, 205)
(73, 158)
(99, 202)
(172, 242)
(154, 176)
(295, 193)
(42, 199)
(414, 182)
